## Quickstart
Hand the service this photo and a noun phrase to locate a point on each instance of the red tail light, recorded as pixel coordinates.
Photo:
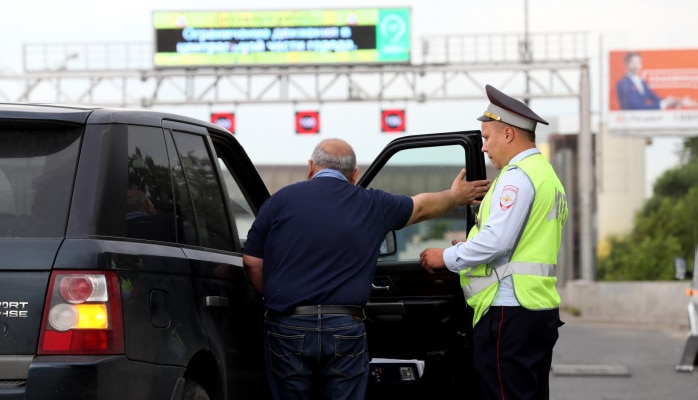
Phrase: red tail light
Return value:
(82, 314)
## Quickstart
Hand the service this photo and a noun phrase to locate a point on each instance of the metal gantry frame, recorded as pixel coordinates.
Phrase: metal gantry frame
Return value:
(417, 83)
(452, 68)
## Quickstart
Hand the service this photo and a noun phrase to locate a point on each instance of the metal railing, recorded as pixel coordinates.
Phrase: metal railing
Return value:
(45, 57)
(505, 47)
(430, 50)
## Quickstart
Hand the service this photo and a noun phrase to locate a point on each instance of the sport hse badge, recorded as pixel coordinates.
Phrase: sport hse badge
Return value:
(508, 197)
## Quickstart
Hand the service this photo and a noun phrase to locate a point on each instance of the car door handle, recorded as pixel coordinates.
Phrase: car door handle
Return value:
(380, 288)
(216, 301)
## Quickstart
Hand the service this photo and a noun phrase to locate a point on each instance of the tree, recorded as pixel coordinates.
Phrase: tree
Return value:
(665, 228)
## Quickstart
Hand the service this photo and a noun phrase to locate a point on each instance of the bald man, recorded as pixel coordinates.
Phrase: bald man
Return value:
(312, 253)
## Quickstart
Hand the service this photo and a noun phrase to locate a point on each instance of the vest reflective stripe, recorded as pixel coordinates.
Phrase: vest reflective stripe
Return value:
(474, 286)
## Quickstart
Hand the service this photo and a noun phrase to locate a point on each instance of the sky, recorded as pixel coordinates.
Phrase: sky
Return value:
(611, 25)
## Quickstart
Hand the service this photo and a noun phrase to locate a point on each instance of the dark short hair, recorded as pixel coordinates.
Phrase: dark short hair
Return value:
(530, 134)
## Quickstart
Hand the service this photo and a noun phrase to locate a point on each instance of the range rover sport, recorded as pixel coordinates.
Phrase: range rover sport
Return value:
(121, 236)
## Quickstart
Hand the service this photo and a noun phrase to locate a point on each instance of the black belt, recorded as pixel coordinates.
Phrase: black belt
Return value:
(356, 311)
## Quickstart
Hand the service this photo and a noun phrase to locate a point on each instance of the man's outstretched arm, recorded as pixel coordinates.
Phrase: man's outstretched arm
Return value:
(430, 205)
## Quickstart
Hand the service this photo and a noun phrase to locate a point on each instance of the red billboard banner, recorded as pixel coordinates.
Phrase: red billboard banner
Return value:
(393, 121)
(308, 122)
(653, 90)
(225, 120)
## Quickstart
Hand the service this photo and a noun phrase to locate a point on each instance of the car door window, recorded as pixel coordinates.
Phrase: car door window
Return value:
(419, 170)
(239, 205)
(150, 212)
(196, 180)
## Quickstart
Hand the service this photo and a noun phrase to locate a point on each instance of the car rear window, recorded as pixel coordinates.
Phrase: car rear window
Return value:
(37, 169)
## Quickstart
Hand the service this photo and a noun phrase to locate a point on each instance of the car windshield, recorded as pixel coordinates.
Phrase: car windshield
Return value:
(37, 168)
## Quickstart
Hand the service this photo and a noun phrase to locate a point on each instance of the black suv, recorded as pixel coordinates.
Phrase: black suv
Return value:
(121, 235)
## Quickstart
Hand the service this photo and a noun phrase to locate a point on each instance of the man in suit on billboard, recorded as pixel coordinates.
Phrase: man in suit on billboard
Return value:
(634, 93)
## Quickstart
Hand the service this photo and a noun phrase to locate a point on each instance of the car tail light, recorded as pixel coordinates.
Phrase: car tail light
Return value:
(82, 314)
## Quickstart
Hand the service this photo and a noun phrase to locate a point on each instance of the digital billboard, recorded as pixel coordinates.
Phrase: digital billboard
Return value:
(281, 38)
(653, 90)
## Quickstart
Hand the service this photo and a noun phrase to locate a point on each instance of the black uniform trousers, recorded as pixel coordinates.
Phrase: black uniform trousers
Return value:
(513, 351)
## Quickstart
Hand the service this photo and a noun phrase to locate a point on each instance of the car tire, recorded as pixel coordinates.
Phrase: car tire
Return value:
(194, 391)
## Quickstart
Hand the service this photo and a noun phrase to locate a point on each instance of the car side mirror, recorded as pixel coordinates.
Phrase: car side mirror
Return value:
(389, 245)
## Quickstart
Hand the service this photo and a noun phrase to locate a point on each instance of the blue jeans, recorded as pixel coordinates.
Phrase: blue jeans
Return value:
(316, 357)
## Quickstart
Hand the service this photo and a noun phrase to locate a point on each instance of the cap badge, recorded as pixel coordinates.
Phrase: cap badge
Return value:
(492, 116)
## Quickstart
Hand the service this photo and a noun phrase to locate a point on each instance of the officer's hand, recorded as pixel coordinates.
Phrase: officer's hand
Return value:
(468, 192)
(432, 259)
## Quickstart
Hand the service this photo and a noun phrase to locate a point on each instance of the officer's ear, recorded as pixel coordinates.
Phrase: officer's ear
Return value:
(509, 133)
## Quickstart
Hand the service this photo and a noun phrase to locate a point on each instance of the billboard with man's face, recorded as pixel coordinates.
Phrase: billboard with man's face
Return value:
(653, 91)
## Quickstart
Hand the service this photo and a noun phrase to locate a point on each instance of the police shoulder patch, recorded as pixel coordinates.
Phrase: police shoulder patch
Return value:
(508, 197)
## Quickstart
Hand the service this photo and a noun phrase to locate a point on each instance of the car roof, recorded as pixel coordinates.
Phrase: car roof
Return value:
(87, 114)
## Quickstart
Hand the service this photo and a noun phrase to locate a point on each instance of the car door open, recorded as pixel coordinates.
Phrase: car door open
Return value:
(416, 322)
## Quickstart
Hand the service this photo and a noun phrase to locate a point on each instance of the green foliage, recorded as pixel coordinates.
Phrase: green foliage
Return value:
(649, 259)
(675, 183)
(690, 150)
(667, 227)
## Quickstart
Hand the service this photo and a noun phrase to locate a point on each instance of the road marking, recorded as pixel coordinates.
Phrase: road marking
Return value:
(590, 370)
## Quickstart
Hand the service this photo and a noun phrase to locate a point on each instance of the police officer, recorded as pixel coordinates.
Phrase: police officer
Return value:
(507, 265)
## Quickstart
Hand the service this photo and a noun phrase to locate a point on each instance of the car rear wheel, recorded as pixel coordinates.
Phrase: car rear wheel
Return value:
(194, 391)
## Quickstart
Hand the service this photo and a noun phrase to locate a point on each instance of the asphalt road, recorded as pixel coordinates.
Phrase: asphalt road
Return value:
(605, 361)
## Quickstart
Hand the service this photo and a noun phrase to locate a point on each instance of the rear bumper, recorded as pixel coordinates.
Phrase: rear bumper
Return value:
(94, 377)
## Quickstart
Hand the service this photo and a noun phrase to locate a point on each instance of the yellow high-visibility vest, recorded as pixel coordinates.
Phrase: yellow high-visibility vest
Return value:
(532, 265)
